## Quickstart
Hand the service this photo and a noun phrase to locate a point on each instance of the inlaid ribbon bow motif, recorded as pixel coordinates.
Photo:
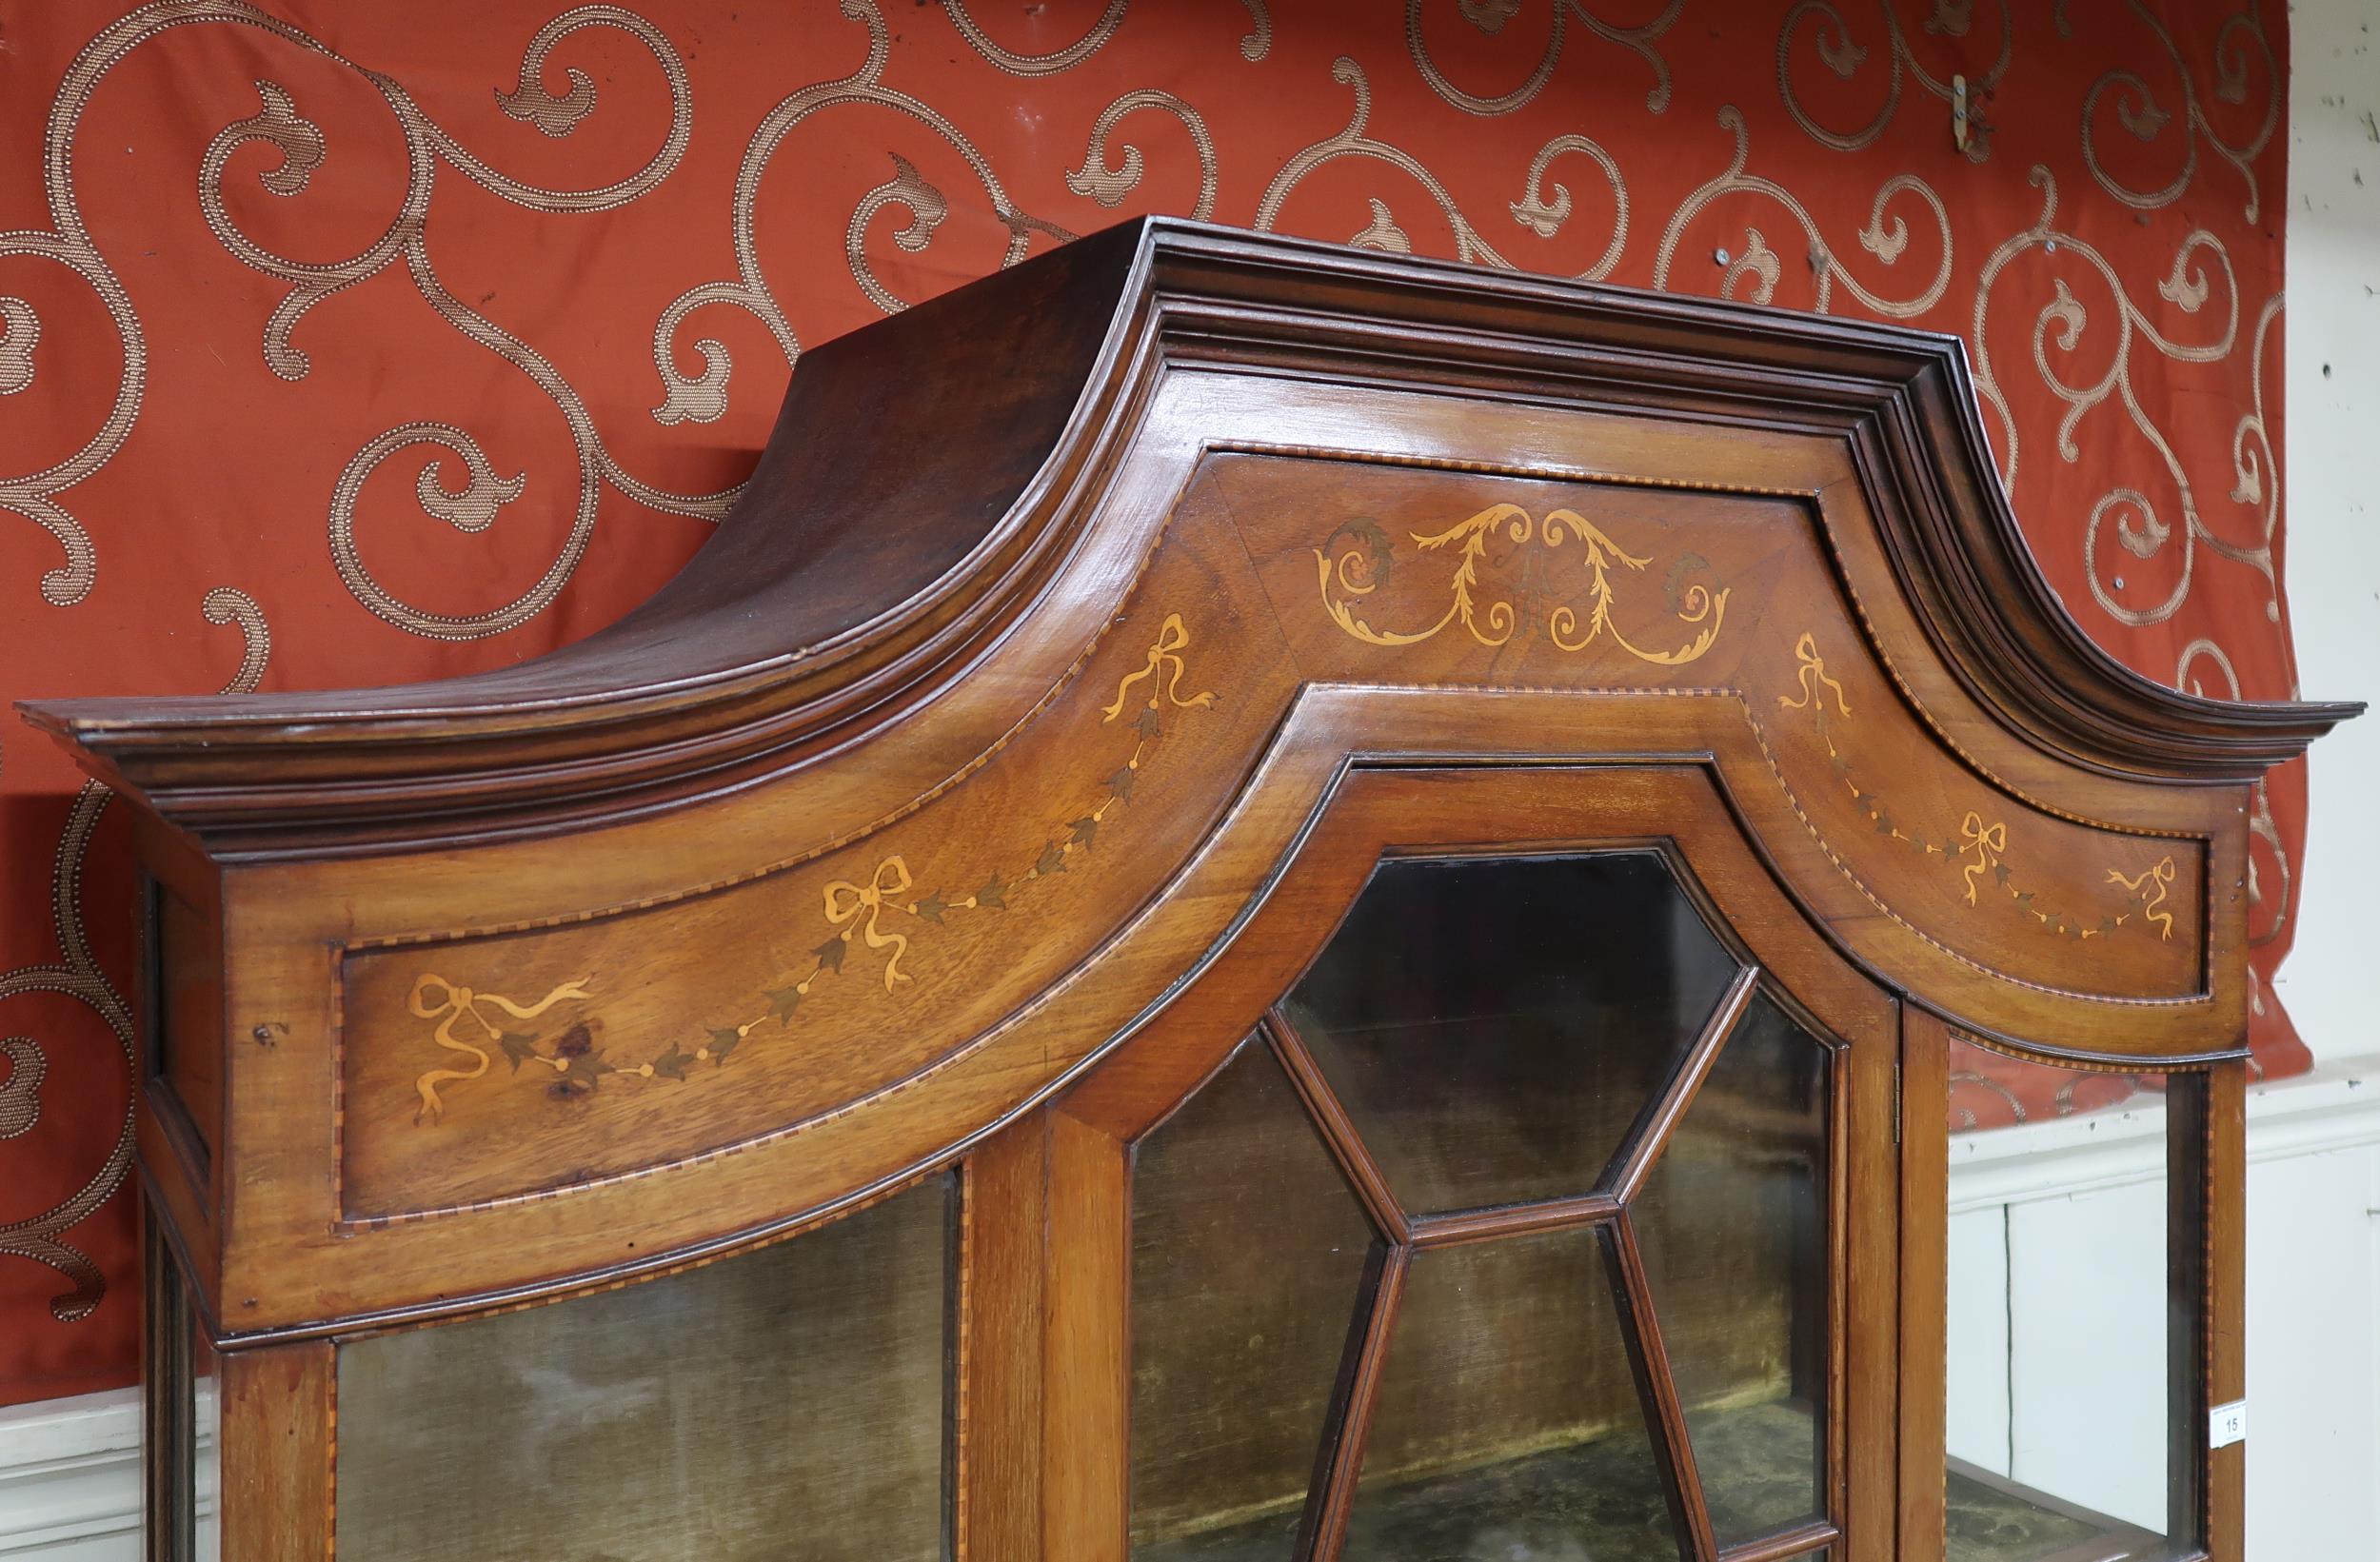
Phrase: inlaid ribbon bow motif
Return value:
(2150, 885)
(855, 911)
(435, 998)
(1978, 848)
(1812, 672)
(847, 903)
(1988, 841)
(1164, 670)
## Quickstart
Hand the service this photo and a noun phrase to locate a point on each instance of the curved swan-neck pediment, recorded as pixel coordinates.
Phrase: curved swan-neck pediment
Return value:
(1063, 616)
(885, 542)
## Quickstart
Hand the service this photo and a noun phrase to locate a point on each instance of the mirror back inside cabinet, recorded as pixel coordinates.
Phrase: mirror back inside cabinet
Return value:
(1260, 903)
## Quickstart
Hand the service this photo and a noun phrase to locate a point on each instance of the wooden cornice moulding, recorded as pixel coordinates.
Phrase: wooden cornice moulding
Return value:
(884, 543)
(1064, 616)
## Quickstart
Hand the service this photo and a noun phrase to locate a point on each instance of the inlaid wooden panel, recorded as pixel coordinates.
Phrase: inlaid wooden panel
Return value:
(288, 1259)
(1385, 572)
(644, 1035)
(655, 1033)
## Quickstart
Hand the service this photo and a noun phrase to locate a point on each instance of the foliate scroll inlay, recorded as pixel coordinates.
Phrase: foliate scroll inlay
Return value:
(881, 913)
(1978, 850)
(1365, 563)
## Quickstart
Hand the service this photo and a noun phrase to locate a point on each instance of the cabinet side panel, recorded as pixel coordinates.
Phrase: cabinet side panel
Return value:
(184, 1015)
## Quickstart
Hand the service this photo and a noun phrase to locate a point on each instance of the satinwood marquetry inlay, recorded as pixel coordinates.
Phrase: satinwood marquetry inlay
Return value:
(1978, 849)
(882, 912)
(1359, 570)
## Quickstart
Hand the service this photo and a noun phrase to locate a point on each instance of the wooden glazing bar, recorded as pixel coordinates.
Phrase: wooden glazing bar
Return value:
(169, 1413)
(1799, 1541)
(1351, 1364)
(1664, 1413)
(1000, 1367)
(1637, 1161)
(2222, 1175)
(279, 1450)
(1087, 1386)
(1326, 1529)
(1439, 1231)
(1363, 1172)
(1924, 1280)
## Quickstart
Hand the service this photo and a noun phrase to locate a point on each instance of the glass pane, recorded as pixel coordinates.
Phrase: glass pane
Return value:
(206, 1444)
(1248, 1253)
(2074, 1332)
(179, 1412)
(1732, 1224)
(711, 1416)
(1496, 1026)
(1508, 1424)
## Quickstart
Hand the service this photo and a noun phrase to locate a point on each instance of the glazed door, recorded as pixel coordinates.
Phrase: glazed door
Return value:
(1520, 1182)
(2110, 1282)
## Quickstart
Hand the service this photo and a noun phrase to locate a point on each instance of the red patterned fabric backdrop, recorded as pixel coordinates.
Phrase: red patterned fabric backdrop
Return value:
(350, 344)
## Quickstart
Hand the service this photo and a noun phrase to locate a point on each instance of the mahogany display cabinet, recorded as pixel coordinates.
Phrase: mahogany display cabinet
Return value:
(1263, 902)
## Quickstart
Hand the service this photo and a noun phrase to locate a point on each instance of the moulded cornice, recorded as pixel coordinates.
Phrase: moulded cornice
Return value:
(868, 562)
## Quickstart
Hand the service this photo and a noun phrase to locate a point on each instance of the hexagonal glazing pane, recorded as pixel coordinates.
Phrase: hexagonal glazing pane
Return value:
(1732, 1224)
(1248, 1255)
(1498, 1027)
(1509, 1423)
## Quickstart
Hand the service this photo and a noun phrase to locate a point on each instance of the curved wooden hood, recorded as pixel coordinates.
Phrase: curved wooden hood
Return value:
(927, 474)
(1057, 615)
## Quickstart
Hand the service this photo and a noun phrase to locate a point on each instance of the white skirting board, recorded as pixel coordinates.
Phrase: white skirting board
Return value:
(70, 1478)
(2034, 1209)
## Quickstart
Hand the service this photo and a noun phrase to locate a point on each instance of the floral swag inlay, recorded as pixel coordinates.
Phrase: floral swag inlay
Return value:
(1978, 849)
(884, 914)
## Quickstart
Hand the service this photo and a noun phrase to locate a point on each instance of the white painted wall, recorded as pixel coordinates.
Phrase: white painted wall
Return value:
(2313, 1233)
(2313, 1355)
(2331, 501)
